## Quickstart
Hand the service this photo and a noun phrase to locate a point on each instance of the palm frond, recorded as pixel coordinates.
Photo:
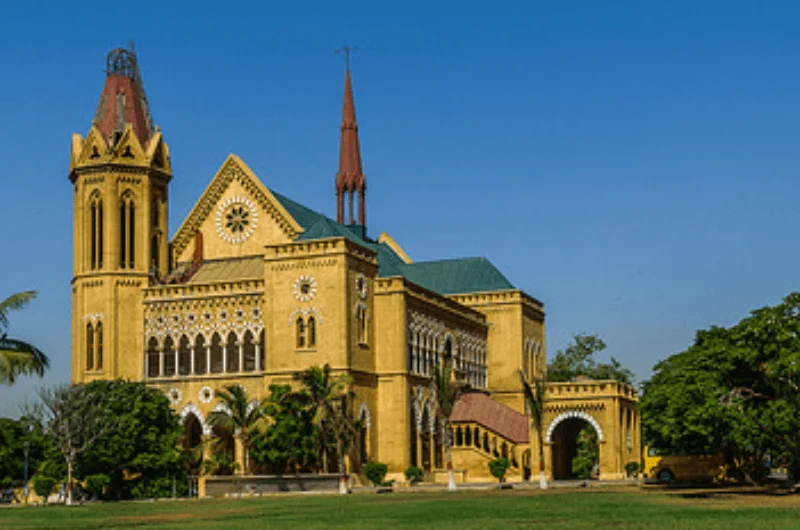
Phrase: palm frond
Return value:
(20, 358)
(14, 302)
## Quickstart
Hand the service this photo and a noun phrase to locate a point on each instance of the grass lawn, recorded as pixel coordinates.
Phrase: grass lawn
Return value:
(593, 508)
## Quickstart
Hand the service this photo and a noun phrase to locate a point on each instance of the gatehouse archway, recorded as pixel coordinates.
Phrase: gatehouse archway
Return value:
(574, 437)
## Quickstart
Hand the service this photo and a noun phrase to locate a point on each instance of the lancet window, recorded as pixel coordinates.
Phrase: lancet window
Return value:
(127, 232)
(96, 232)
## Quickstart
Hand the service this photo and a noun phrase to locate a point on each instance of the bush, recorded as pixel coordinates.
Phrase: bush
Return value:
(414, 475)
(376, 472)
(582, 466)
(43, 486)
(632, 469)
(95, 484)
(498, 467)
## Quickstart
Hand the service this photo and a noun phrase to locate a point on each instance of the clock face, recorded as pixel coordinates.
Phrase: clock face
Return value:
(361, 285)
(236, 220)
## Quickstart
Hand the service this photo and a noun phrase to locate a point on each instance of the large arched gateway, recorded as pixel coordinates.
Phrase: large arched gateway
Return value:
(610, 411)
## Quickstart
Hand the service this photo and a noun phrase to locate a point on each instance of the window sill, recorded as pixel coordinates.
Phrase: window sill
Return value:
(305, 350)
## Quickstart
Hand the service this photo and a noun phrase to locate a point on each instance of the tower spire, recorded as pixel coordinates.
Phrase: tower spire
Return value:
(350, 177)
(123, 100)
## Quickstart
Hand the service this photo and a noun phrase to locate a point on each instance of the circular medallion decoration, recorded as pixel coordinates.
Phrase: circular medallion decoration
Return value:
(174, 396)
(236, 219)
(361, 286)
(205, 395)
(305, 288)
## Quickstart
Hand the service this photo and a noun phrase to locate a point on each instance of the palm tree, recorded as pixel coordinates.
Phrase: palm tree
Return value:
(534, 395)
(447, 394)
(331, 400)
(237, 414)
(18, 357)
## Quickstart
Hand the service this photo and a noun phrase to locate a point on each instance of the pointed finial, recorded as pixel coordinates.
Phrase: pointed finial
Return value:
(346, 51)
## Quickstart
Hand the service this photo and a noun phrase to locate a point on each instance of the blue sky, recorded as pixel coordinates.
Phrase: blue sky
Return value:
(631, 164)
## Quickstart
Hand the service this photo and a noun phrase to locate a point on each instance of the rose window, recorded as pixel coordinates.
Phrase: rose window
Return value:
(236, 219)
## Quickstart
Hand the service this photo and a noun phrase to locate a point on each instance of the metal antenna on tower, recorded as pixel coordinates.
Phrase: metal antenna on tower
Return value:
(346, 51)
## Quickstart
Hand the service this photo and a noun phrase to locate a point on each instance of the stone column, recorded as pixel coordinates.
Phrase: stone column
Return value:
(208, 359)
(177, 359)
(241, 356)
(161, 362)
(192, 353)
(225, 357)
(257, 344)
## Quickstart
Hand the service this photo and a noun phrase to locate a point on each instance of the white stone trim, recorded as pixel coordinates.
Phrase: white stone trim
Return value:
(192, 408)
(305, 311)
(363, 412)
(312, 291)
(222, 231)
(205, 395)
(569, 415)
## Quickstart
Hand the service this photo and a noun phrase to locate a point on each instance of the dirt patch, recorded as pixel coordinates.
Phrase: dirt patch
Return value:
(725, 498)
(177, 516)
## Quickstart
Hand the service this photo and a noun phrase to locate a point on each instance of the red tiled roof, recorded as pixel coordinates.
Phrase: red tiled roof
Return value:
(502, 419)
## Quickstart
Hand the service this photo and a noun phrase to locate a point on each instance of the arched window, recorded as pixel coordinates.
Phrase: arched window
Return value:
(361, 316)
(312, 331)
(153, 368)
(200, 355)
(249, 352)
(184, 356)
(169, 357)
(233, 353)
(301, 333)
(154, 251)
(131, 234)
(89, 346)
(262, 346)
(99, 346)
(216, 354)
(127, 215)
(96, 232)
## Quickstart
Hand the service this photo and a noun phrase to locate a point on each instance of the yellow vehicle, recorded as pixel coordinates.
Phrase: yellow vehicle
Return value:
(666, 466)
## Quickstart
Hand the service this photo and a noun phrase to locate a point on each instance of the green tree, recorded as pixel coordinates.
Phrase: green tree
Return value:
(13, 436)
(535, 395)
(587, 452)
(141, 456)
(323, 390)
(18, 357)
(239, 414)
(446, 393)
(735, 390)
(74, 419)
(578, 359)
(289, 443)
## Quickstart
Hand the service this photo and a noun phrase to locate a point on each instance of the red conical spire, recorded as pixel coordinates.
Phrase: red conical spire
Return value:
(350, 178)
(123, 100)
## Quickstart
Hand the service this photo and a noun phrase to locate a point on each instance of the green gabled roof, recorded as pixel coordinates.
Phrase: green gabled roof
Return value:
(455, 276)
(304, 216)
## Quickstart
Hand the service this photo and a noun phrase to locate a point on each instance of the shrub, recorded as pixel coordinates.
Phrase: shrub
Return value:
(582, 466)
(414, 475)
(43, 486)
(95, 484)
(632, 469)
(498, 467)
(376, 472)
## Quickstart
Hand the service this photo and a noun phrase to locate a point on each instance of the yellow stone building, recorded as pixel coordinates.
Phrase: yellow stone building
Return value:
(254, 287)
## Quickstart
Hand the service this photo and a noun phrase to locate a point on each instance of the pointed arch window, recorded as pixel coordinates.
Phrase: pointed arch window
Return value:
(89, 346)
(96, 232)
(301, 332)
(153, 358)
(99, 346)
(312, 332)
(127, 231)
(361, 317)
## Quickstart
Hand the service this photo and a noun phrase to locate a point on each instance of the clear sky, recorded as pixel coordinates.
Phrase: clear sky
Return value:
(631, 164)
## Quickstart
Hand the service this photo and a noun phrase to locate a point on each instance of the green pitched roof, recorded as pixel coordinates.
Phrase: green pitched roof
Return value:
(453, 276)
(304, 216)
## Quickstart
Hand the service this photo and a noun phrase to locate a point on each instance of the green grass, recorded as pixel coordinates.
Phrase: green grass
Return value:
(463, 510)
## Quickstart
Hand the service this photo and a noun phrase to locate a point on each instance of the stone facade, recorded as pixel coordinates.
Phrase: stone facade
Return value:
(253, 288)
